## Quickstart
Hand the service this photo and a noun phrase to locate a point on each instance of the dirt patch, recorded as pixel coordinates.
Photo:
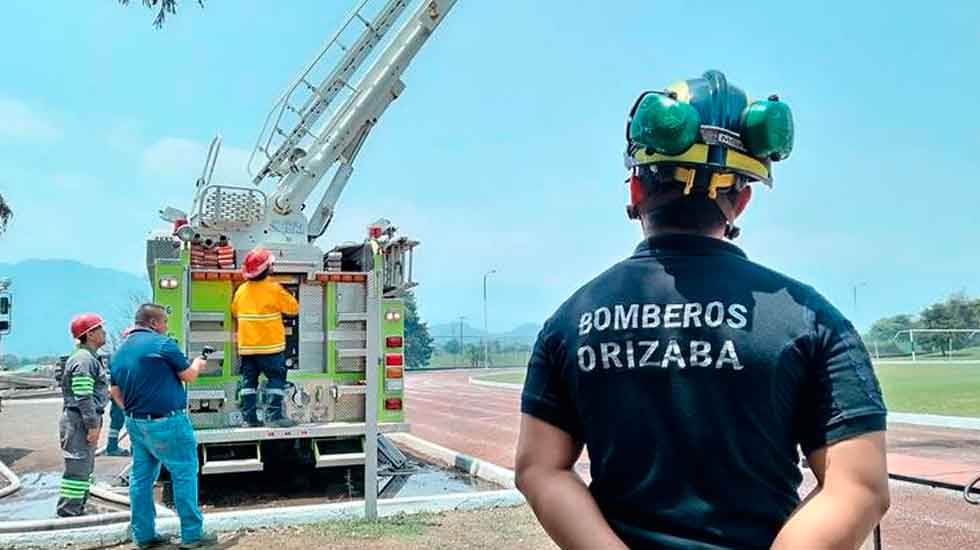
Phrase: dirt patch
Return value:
(498, 528)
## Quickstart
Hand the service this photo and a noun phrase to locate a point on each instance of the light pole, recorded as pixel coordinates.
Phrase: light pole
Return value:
(460, 351)
(855, 288)
(486, 334)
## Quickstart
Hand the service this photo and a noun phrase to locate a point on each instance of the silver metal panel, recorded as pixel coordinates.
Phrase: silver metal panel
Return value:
(350, 364)
(311, 327)
(206, 394)
(212, 316)
(353, 316)
(350, 390)
(348, 335)
(333, 429)
(351, 298)
(229, 466)
(208, 337)
(354, 352)
(340, 459)
(349, 408)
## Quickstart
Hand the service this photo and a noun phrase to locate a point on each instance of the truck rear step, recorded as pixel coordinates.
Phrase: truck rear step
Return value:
(245, 457)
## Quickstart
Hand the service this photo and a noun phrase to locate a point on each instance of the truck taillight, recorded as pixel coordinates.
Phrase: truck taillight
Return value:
(393, 404)
(393, 359)
(393, 341)
(393, 372)
(394, 385)
(393, 315)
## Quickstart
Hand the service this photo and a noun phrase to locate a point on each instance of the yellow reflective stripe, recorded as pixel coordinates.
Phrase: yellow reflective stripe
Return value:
(739, 161)
(272, 347)
(698, 153)
(259, 316)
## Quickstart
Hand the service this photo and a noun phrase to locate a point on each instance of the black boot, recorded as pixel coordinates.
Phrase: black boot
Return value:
(275, 413)
(249, 418)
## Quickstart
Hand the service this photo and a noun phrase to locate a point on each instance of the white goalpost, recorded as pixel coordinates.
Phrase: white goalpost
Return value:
(970, 332)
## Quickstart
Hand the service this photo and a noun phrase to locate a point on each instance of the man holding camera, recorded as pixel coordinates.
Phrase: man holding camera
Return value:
(148, 372)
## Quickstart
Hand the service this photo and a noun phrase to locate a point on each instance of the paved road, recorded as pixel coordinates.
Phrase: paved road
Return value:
(483, 421)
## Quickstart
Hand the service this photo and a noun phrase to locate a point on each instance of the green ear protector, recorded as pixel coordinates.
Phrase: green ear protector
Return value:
(660, 123)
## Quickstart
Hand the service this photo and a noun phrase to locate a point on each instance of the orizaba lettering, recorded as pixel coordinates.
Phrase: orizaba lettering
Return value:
(673, 353)
(631, 354)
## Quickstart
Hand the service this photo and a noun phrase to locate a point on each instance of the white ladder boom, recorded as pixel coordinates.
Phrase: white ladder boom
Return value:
(341, 137)
(303, 103)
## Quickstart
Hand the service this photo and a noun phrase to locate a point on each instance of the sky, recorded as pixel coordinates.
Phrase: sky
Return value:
(504, 152)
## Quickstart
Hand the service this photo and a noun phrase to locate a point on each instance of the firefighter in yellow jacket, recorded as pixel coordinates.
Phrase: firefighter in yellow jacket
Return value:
(259, 305)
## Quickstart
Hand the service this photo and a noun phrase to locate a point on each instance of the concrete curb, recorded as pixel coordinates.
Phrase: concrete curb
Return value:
(486, 471)
(118, 533)
(959, 422)
(478, 382)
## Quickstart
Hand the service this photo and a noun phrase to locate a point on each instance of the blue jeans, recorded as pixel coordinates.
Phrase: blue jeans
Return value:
(168, 441)
(273, 366)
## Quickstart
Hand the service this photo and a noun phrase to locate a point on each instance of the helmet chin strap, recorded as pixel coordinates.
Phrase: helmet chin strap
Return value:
(641, 202)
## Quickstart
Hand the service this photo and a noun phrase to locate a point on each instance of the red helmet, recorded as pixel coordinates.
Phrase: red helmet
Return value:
(256, 262)
(84, 323)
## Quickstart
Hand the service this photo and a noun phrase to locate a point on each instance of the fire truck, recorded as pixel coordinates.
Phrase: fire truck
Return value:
(345, 349)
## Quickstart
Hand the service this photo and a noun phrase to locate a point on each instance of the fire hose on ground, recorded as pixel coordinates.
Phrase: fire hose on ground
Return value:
(14, 481)
(97, 491)
(972, 487)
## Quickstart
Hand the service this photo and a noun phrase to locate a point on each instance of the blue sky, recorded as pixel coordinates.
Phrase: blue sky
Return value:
(505, 150)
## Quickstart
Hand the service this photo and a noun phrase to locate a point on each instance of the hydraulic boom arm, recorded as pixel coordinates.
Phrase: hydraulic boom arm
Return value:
(339, 140)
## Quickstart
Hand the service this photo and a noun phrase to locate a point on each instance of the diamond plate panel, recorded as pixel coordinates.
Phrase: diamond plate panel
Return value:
(312, 347)
(349, 408)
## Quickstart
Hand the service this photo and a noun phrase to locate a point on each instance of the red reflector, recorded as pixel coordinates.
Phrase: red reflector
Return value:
(393, 341)
(393, 359)
(393, 372)
(393, 404)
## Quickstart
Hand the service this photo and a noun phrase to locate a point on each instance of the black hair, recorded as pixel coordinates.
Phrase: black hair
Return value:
(148, 312)
(261, 276)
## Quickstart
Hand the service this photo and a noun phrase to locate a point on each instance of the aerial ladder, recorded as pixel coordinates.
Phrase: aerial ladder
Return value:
(345, 350)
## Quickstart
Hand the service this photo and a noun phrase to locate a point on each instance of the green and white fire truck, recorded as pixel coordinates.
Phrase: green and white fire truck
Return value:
(345, 350)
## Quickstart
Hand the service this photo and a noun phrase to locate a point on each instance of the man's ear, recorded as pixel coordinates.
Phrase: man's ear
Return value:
(742, 200)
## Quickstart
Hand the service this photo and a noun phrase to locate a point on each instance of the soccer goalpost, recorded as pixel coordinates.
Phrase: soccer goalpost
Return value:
(970, 333)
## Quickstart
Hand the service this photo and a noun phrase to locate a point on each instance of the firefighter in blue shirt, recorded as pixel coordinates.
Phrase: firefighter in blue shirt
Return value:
(693, 375)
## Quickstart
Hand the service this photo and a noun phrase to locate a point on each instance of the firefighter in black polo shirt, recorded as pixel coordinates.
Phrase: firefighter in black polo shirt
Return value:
(693, 375)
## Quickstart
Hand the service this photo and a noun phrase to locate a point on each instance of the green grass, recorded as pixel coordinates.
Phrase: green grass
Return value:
(397, 526)
(925, 387)
(934, 387)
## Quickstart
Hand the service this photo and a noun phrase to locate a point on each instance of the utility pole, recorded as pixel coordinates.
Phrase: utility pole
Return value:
(486, 333)
(460, 354)
(855, 288)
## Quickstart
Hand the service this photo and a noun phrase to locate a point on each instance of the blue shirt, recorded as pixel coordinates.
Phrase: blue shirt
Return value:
(692, 375)
(145, 368)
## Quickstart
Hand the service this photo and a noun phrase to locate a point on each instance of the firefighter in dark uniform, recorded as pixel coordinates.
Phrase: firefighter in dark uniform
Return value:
(85, 390)
(691, 374)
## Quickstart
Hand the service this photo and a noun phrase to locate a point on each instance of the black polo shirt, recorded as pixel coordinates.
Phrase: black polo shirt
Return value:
(692, 375)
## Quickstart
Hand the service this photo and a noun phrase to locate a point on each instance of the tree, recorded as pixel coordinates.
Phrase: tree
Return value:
(418, 342)
(165, 7)
(5, 214)
(474, 353)
(451, 346)
(959, 311)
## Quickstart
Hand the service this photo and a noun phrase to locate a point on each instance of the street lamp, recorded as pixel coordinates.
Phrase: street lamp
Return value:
(855, 288)
(460, 351)
(486, 343)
